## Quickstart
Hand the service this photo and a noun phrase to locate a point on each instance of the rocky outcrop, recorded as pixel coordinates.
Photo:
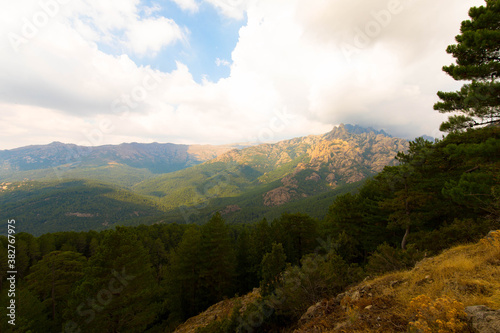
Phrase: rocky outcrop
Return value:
(484, 319)
(279, 196)
(230, 209)
(218, 311)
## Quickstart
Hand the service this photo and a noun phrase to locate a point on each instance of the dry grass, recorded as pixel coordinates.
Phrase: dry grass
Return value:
(459, 277)
(217, 311)
(469, 273)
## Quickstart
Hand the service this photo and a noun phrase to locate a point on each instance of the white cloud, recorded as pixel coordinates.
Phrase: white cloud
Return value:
(188, 5)
(61, 85)
(125, 25)
(222, 62)
(234, 9)
(149, 36)
(391, 81)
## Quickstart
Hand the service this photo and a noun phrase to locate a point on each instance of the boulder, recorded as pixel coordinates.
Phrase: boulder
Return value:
(484, 319)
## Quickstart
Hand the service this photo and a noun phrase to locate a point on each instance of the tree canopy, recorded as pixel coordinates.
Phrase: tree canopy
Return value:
(477, 55)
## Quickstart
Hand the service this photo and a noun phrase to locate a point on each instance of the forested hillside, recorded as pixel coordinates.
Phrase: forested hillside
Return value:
(125, 164)
(263, 177)
(245, 185)
(77, 205)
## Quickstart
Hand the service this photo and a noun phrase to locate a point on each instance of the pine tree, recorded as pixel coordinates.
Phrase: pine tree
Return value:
(119, 288)
(477, 60)
(298, 234)
(53, 278)
(261, 243)
(246, 275)
(273, 264)
(219, 260)
(182, 280)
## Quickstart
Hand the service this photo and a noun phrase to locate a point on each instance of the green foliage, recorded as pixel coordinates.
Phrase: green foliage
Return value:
(297, 233)
(119, 281)
(182, 280)
(53, 278)
(72, 205)
(458, 231)
(387, 258)
(201, 270)
(476, 190)
(435, 184)
(319, 276)
(476, 60)
(31, 315)
(218, 260)
(273, 264)
(153, 277)
(358, 218)
(247, 275)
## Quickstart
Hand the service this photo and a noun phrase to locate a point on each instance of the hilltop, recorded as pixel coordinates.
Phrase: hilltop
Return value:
(273, 175)
(135, 161)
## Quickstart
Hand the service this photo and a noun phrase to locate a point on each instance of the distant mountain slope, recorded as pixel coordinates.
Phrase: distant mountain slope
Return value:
(41, 207)
(302, 174)
(124, 164)
(282, 172)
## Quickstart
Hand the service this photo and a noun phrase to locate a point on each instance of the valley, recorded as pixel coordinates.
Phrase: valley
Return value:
(165, 183)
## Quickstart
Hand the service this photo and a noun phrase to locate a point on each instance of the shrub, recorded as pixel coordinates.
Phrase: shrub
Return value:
(387, 259)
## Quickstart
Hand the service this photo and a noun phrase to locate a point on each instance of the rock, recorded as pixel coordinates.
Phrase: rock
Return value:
(395, 283)
(484, 319)
(230, 209)
(312, 311)
(314, 176)
(279, 196)
(339, 297)
(493, 237)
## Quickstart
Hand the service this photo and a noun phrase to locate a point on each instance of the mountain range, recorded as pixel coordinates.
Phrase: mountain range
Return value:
(60, 187)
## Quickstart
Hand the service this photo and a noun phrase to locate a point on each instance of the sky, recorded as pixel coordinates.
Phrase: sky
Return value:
(94, 72)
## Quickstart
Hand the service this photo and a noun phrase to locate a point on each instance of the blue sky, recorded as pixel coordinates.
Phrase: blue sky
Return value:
(94, 72)
(211, 35)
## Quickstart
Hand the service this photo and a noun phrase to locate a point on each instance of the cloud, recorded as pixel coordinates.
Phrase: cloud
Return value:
(188, 5)
(76, 74)
(222, 62)
(149, 36)
(390, 80)
(234, 9)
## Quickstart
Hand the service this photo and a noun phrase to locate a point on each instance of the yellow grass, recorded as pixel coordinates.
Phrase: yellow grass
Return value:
(459, 277)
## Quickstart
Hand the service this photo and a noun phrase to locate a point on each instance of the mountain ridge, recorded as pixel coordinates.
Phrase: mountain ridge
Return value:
(300, 167)
(156, 157)
(243, 184)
